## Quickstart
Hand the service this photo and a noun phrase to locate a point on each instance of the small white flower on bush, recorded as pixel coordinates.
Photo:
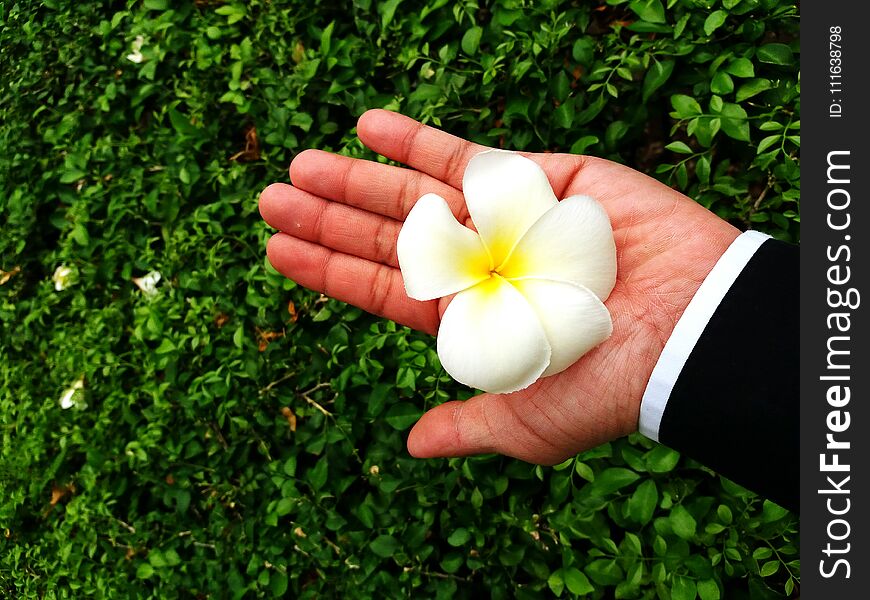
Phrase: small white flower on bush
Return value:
(529, 284)
(148, 283)
(73, 395)
(61, 278)
(136, 54)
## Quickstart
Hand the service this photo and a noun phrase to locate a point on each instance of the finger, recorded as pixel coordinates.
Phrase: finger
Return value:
(419, 146)
(382, 189)
(483, 424)
(337, 226)
(371, 286)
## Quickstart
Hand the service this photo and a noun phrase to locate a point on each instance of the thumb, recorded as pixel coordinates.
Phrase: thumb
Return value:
(482, 424)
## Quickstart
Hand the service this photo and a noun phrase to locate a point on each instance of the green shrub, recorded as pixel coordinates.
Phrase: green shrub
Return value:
(238, 436)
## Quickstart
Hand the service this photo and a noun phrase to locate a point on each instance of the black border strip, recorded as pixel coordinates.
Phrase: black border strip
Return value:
(835, 226)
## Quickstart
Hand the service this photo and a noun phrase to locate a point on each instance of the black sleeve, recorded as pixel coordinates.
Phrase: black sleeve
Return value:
(735, 405)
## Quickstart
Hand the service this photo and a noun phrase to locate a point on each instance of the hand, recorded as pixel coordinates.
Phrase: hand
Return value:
(340, 220)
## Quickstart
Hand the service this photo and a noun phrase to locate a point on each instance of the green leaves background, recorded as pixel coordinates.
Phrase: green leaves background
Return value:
(243, 437)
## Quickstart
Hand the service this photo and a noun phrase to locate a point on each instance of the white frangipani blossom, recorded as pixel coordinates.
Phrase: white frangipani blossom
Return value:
(148, 283)
(72, 396)
(136, 54)
(529, 284)
(61, 277)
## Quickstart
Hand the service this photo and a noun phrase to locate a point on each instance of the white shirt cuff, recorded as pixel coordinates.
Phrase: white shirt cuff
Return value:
(690, 327)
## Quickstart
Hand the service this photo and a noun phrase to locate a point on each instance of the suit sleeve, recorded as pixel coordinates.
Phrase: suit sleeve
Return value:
(725, 389)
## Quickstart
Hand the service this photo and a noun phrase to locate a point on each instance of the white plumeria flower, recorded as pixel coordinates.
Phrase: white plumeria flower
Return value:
(148, 283)
(61, 278)
(72, 396)
(529, 284)
(136, 55)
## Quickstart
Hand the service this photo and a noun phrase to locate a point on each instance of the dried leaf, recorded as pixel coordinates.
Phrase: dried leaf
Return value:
(290, 416)
(264, 337)
(252, 147)
(59, 492)
(7, 275)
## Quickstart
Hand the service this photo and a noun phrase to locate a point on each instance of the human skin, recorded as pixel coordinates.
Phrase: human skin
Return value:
(339, 221)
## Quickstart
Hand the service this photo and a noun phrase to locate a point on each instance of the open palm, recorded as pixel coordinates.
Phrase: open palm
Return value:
(339, 222)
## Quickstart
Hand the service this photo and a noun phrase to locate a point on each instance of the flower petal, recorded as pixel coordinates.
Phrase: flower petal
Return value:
(505, 194)
(491, 339)
(573, 318)
(437, 255)
(572, 242)
(148, 282)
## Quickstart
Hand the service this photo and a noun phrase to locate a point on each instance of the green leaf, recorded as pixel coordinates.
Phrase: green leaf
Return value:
(556, 583)
(471, 40)
(580, 146)
(702, 169)
(612, 479)
(751, 88)
(631, 545)
(735, 122)
(714, 21)
(326, 38)
(182, 500)
(155, 558)
(590, 112)
(656, 76)
(71, 175)
(318, 474)
(679, 148)
(615, 132)
(144, 570)
(685, 106)
(384, 546)
(680, 27)
(278, 583)
(388, 10)
(741, 67)
(583, 51)
(682, 175)
(451, 562)
(769, 568)
(722, 83)
(605, 572)
(682, 522)
(767, 143)
(564, 115)
(662, 459)
(402, 415)
(285, 506)
(156, 4)
(652, 11)
(576, 581)
(771, 512)
(683, 588)
(775, 54)
(708, 589)
(459, 537)
(171, 557)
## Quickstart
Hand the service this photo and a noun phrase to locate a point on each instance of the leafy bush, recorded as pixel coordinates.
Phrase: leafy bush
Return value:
(233, 435)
